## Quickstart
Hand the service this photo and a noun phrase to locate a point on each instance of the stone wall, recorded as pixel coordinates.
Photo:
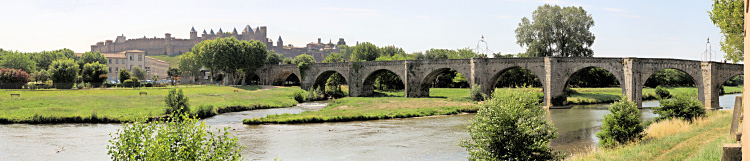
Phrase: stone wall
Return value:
(554, 72)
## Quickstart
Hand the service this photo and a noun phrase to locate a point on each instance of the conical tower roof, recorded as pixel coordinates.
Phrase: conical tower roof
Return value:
(280, 39)
(212, 32)
(234, 31)
(204, 31)
(192, 29)
(248, 29)
(220, 32)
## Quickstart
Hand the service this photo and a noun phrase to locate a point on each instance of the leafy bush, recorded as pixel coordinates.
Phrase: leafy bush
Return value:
(149, 84)
(176, 102)
(205, 111)
(63, 73)
(180, 138)
(476, 93)
(123, 75)
(13, 78)
(95, 73)
(40, 75)
(298, 96)
(681, 105)
(511, 126)
(721, 90)
(315, 94)
(622, 125)
(79, 85)
(662, 92)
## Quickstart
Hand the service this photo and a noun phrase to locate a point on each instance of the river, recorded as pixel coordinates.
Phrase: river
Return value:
(426, 138)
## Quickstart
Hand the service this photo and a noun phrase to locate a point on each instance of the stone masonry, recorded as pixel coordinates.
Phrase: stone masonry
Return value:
(553, 72)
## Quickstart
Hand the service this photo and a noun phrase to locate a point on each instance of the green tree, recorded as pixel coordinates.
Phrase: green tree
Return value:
(16, 60)
(177, 102)
(303, 62)
(172, 73)
(231, 55)
(179, 138)
(67, 53)
(729, 16)
(333, 58)
(190, 64)
(288, 60)
(95, 73)
(365, 51)
(13, 78)
(44, 59)
(511, 126)
(622, 125)
(274, 58)
(138, 72)
(557, 31)
(681, 105)
(437, 54)
(123, 75)
(40, 75)
(63, 73)
(91, 57)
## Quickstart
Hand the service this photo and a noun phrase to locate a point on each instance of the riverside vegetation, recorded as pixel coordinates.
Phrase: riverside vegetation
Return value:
(443, 101)
(126, 104)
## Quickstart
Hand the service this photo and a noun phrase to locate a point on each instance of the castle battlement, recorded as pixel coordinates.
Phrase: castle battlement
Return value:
(169, 45)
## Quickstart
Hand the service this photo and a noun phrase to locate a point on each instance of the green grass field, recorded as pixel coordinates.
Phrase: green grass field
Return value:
(701, 140)
(385, 105)
(126, 104)
(172, 60)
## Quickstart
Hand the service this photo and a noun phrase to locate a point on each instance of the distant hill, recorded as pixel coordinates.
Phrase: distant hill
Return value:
(172, 60)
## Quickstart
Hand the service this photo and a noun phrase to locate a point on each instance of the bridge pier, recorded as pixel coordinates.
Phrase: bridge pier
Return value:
(554, 88)
(711, 85)
(631, 87)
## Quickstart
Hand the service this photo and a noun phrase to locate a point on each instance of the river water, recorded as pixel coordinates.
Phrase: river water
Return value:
(426, 138)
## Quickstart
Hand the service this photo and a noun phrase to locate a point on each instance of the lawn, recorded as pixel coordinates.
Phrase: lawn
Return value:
(384, 105)
(674, 140)
(126, 104)
(612, 94)
(172, 60)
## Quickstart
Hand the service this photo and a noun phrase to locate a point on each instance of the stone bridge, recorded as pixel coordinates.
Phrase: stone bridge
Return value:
(553, 72)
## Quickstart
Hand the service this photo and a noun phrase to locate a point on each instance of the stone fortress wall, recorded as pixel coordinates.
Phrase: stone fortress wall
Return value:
(169, 45)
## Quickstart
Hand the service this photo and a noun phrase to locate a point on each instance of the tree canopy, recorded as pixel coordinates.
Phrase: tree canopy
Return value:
(729, 16)
(557, 31)
(16, 60)
(365, 51)
(231, 55)
(190, 64)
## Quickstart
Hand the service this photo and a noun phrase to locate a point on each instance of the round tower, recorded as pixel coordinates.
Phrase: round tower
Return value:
(193, 33)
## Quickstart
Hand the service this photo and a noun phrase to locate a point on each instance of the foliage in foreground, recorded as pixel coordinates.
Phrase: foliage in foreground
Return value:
(681, 105)
(476, 93)
(511, 126)
(181, 138)
(622, 125)
(177, 102)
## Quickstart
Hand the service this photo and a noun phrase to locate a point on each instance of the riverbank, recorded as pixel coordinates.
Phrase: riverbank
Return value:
(674, 140)
(442, 101)
(609, 95)
(385, 105)
(126, 104)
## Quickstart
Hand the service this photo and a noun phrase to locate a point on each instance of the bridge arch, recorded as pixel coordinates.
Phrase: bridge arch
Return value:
(497, 76)
(286, 77)
(369, 82)
(618, 74)
(427, 79)
(322, 76)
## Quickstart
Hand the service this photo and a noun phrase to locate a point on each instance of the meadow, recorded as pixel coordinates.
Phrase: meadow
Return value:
(126, 104)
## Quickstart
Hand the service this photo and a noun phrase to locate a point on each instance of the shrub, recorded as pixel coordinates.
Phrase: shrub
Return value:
(94, 73)
(205, 111)
(182, 138)
(298, 96)
(662, 92)
(40, 75)
(123, 75)
(476, 93)
(511, 126)
(622, 125)
(13, 78)
(79, 85)
(149, 84)
(721, 90)
(177, 102)
(63, 73)
(681, 105)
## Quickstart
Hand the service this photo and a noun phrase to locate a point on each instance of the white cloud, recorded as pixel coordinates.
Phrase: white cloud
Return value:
(629, 15)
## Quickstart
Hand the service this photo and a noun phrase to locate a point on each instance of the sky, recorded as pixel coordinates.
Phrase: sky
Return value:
(635, 28)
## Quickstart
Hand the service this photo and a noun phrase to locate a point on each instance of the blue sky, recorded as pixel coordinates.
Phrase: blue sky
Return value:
(637, 28)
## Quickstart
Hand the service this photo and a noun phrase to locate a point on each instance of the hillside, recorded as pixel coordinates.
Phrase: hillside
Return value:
(172, 60)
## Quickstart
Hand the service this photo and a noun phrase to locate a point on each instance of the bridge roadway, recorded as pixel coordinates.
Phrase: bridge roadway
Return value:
(554, 72)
